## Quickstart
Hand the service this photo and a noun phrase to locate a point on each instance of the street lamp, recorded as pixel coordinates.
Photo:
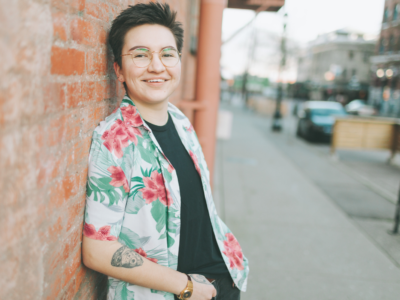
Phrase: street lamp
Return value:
(277, 118)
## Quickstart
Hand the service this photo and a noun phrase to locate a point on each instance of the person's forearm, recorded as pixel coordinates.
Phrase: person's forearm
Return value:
(118, 261)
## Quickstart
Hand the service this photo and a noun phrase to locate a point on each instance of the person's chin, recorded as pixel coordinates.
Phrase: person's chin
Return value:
(157, 98)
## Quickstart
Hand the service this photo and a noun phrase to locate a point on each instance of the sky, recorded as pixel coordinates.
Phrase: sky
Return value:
(305, 21)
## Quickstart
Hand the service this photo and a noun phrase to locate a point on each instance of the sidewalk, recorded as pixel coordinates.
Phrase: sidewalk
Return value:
(299, 244)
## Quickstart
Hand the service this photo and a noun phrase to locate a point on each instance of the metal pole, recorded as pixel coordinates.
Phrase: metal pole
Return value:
(276, 122)
(396, 217)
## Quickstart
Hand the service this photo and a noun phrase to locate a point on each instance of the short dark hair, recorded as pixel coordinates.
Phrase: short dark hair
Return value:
(140, 14)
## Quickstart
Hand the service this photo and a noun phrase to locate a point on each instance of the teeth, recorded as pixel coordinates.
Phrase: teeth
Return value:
(155, 80)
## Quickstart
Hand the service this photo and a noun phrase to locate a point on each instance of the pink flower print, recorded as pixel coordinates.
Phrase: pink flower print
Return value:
(118, 178)
(233, 251)
(170, 168)
(102, 235)
(117, 137)
(131, 116)
(144, 254)
(190, 128)
(196, 162)
(155, 189)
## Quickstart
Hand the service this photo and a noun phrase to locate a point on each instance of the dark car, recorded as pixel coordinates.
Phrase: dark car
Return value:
(316, 119)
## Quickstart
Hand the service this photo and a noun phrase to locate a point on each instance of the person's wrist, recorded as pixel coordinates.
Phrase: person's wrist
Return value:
(183, 280)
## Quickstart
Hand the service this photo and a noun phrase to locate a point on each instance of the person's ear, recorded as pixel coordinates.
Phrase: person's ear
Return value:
(118, 72)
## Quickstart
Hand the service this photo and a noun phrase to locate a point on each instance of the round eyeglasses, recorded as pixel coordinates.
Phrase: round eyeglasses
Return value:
(142, 57)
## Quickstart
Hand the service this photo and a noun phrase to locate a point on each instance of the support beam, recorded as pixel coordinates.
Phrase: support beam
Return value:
(208, 76)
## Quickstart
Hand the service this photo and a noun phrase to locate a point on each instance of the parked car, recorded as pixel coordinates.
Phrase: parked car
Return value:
(359, 107)
(316, 119)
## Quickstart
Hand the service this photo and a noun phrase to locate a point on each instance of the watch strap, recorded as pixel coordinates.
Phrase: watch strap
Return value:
(188, 290)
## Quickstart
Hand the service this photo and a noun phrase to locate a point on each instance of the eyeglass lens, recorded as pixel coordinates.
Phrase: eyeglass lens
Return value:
(142, 57)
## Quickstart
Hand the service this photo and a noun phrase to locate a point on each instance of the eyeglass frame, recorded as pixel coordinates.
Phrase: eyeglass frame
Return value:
(180, 54)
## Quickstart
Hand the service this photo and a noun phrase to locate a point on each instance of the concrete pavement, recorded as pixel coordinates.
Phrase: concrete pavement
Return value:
(300, 244)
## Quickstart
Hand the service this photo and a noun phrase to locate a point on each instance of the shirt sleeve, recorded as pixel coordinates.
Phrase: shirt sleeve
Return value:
(106, 194)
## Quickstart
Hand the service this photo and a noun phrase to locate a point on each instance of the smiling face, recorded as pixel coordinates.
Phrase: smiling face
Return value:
(155, 83)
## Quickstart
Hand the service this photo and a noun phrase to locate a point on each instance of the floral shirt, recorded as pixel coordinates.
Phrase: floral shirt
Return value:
(133, 197)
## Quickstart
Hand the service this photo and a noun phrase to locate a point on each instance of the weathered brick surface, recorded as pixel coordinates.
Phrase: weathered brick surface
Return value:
(56, 85)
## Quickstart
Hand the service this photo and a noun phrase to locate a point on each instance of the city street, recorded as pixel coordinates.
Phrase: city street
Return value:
(312, 227)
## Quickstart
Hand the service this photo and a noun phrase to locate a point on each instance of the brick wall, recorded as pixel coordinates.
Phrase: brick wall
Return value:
(56, 85)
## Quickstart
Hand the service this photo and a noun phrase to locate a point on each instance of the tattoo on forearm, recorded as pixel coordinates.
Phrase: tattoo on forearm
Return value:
(126, 258)
(200, 279)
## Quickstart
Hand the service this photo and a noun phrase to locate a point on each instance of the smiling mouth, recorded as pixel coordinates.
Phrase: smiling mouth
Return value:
(155, 80)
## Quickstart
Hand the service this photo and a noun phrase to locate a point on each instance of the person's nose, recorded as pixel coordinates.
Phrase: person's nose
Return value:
(156, 65)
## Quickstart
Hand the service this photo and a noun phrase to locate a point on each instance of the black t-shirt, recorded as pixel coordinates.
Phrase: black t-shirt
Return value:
(198, 249)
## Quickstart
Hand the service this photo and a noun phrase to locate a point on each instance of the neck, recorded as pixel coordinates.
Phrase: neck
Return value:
(155, 113)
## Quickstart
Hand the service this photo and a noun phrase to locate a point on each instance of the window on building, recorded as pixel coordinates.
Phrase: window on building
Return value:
(351, 54)
(382, 46)
(386, 15)
(396, 12)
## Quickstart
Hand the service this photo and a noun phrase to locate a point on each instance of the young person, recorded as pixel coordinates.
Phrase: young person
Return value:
(150, 219)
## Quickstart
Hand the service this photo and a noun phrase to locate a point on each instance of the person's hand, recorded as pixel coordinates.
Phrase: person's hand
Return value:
(202, 288)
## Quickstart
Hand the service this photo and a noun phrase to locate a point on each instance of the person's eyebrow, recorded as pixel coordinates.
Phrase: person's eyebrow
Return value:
(169, 47)
(139, 47)
(148, 49)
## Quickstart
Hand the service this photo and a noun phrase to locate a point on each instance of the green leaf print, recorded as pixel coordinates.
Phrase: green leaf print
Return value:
(101, 187)
(124, 292)
(130, 239)
(158, 211)
(170, 241)
(135, 203)
(167, 175)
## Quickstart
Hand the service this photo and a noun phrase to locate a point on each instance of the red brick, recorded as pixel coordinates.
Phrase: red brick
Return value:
(54, 289)
(89, 90)
(101, 90)
(79, 151)
(60, 26)
(55, 131)
(102, 34)
(55, 230)
(80, 275)
(67, 61)
(68, 292)
(96, 63)
(54, 96)
(92, 118)
(83, 32)
(74, 94)
(73, 127)
(73, 265)
(98, 10)
(72, 242)
(75, 211)
(50, 167)
(77, 5)
(60, 5)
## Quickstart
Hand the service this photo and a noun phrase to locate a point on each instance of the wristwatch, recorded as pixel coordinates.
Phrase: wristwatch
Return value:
(187, 291)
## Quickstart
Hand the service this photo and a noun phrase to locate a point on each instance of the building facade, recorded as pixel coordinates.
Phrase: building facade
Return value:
(337, 64)
(385, 64)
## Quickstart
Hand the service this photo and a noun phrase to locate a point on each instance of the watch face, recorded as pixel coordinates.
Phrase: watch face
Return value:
(187, 294)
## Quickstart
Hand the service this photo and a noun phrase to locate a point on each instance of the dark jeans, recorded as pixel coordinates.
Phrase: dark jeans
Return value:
(225, 290)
